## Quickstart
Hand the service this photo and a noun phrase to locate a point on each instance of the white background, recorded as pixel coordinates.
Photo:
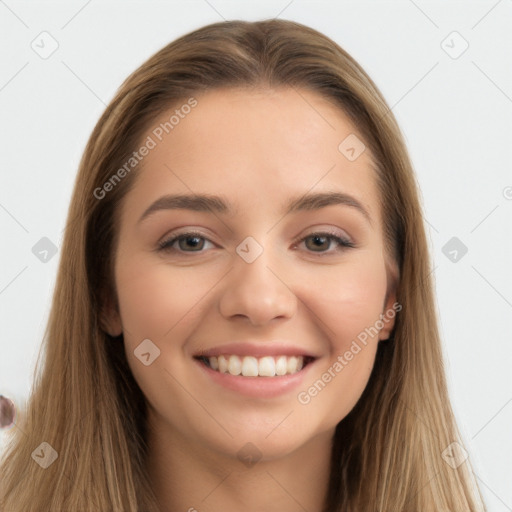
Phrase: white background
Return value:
(455, 113)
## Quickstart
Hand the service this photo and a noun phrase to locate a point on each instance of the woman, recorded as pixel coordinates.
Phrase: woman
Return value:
(256, 371)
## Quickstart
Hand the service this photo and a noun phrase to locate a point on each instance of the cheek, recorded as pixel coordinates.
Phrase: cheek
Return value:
(154, 299)
(162, 304)
(348, 299)
(349, 304)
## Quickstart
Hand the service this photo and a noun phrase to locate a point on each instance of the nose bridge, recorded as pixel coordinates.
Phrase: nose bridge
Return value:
(255, 288)
(253, 264)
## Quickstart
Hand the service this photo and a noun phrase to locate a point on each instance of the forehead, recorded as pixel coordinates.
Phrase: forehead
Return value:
(257, 147)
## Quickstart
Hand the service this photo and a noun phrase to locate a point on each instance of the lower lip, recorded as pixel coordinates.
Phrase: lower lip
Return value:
(260, 387)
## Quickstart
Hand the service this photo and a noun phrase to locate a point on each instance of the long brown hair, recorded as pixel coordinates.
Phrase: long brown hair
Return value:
(387, 453)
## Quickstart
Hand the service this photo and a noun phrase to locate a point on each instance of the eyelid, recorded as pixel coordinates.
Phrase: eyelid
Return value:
(167, 239)
(343, 240)
(335, 232)
(311, 231)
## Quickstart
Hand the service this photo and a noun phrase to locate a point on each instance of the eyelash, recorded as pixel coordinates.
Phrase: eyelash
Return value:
(166, 244)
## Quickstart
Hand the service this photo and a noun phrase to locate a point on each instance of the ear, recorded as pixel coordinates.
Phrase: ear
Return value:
(391, 307)
(110, 319)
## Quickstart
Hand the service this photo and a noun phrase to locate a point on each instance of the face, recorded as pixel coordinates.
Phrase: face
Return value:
(258, 287)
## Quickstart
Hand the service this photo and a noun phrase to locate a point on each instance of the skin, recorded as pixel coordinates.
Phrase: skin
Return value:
(257, 149)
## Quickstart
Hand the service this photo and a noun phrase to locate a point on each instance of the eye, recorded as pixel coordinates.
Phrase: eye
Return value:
(196, 242)
(323, 240)
(185, 241)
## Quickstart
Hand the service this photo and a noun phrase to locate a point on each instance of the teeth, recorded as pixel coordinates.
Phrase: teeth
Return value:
(235, 365)
(267, 367)
(223, 364)
(291, 366)
(250, 366)
(281, 365)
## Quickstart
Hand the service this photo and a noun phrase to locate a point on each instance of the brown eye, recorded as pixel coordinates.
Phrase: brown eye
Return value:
(187, 242)
(191, 241)
(321, 242)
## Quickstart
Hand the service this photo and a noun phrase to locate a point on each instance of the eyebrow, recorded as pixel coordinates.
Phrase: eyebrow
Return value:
(215, 203)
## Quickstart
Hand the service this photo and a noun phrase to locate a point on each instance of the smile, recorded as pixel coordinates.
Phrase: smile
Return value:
(250, 366)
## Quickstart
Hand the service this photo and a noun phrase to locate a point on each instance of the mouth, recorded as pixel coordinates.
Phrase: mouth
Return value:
(250, 366)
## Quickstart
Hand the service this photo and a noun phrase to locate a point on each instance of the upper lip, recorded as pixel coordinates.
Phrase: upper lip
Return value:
(255, 349)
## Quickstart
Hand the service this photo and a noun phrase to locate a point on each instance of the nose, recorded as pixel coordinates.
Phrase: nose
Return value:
(257, 291)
